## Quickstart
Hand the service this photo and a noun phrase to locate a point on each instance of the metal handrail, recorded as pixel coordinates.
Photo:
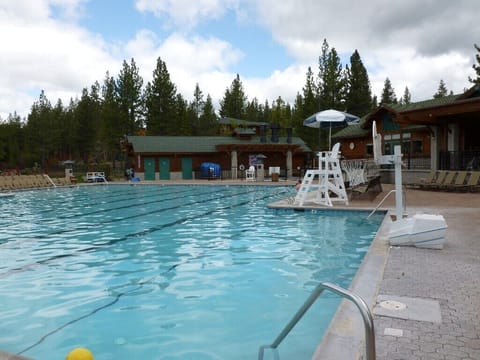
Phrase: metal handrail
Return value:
(50, 179)
(385, 198)
(357, 300)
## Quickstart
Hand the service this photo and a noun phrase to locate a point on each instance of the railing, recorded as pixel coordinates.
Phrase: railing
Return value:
(357, 300)
(385, 198)
(50, 180)
(459, 160)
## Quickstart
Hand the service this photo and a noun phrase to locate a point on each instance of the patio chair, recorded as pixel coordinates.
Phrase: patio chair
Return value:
(250, 173)
(426, 181)
(459, 181)
(436, 182)
(472, 183)
(447, 181)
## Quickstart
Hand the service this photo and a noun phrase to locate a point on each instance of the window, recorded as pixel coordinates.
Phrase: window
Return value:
(369, 149)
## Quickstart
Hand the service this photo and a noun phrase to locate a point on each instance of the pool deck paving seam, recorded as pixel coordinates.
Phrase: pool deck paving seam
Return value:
(450, 276)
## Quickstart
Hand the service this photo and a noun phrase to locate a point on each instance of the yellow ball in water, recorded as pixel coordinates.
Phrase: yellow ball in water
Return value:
(79, 354)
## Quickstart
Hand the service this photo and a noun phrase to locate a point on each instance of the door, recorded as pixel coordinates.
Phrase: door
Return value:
(187, 168)
(164, 169)
(149, 166)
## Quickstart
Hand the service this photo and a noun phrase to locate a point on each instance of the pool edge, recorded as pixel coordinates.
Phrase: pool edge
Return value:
(345, 336)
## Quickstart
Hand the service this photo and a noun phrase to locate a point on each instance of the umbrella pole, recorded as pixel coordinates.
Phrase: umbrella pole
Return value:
(330, 137)
(319, 138)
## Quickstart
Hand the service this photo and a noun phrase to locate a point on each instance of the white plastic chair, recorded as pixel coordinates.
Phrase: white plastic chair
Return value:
(250, 174)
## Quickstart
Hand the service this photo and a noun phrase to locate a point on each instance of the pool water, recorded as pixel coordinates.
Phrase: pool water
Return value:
(169, 272)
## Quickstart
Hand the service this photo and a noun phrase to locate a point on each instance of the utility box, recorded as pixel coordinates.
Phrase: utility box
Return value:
(260, 172)
(274, 172)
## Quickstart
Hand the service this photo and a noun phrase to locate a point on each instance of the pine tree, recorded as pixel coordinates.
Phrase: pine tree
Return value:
(253, 111)
(441, 91)
(111, 131)
(476, 67)
(208, 119)
(184, 123)
(161, 107)
(234, 101)
(359, 95)
(130, 98)
(87, 115)
(305, 106)
(195, 110)
(333, 81)
(407, 97)
(388, 93)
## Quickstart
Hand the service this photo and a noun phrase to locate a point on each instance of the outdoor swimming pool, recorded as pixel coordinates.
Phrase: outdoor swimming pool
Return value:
(169, 272)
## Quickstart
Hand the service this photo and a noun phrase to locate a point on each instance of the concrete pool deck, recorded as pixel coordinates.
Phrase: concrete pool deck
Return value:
(448, 280)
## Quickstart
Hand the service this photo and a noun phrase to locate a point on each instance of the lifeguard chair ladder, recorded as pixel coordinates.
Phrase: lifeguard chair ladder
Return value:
(331, 186)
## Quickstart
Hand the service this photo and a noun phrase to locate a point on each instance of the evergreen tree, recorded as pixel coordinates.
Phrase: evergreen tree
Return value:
(208, 119)
(234, 101)
(129, 92)
(11, 141)
(307, 105)
(111, 130)
(407, 97)
(359, 96)
(38, 131)
(476, 67)
(87, 116)
(184, 121)
(198, 101)
(279, 114)
(333, 81)
(374, 102)
(388, 93)
(161, 102)
(254, 111)
(441, 91)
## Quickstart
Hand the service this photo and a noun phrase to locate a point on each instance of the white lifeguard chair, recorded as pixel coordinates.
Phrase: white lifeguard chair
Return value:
(330, 186)
(250, 173)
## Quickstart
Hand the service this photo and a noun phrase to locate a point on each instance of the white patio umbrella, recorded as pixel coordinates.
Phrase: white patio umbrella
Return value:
(328, 119)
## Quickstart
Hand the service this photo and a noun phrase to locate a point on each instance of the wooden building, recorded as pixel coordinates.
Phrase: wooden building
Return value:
(181, 157)
(439, 133)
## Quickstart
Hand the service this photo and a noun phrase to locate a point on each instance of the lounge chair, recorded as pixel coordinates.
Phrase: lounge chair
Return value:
(439, 180)
(447, 181)
(472, 183)
(426, 181)
(459, 181)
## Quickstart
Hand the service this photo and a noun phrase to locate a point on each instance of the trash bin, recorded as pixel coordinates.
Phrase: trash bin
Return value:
(275, 177)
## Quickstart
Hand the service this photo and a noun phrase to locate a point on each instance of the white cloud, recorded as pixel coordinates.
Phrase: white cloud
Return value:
(411, 43)
(41, 53)
(43, 47)
(186, 13)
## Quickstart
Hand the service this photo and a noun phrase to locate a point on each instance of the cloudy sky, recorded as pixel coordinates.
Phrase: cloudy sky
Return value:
(62, 46)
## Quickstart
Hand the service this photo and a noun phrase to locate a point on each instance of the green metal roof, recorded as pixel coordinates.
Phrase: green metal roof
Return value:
(198, 144)
(351, 131)
(425, 103)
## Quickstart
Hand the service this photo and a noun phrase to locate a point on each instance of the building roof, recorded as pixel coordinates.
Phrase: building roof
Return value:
(239, 122)
(201, 144)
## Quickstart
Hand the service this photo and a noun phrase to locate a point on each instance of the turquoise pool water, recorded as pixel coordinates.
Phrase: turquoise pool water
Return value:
(169, 272)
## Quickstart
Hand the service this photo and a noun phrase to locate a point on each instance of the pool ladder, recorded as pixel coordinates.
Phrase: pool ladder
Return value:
(357, 300)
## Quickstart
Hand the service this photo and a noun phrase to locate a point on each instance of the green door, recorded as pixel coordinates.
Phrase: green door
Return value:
(149, 166)
(187, 168)
(164, 169)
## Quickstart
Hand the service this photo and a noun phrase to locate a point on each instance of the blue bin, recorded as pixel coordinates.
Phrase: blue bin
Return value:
(209, 170)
